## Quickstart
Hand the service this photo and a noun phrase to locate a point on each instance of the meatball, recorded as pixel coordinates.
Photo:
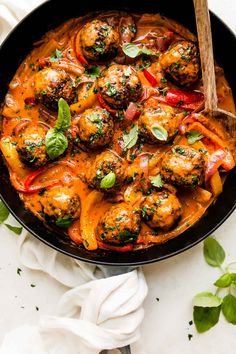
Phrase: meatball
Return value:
(31, 146)
(119, 85)
(183, 166)
(95, 128)
(181, 63)
(104, 164)
(99, 41)
(162, 116)
(60, 203)
(121, 224)
(51, 85)
(161, 210)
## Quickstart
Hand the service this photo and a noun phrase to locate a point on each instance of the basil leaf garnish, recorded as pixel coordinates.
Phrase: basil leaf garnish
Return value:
(108, 181)
(130, 139)
(132, 50)
(56, 142)
(159, 132)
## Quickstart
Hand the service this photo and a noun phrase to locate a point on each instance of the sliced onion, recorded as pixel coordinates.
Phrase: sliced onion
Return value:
(132, 112)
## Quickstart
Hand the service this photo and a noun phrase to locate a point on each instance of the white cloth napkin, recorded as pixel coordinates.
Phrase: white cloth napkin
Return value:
(96, 313)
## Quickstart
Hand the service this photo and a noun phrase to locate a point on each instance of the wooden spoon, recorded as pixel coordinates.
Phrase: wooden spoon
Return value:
(207, 63)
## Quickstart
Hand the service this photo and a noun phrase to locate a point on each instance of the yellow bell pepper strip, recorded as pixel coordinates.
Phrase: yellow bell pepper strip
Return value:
(87, 227)
(216, 184)
(84, 103)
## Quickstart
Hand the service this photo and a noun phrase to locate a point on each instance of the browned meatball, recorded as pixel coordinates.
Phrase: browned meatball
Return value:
(181, 63)
(51, 85)
(99, 41)
(161, 210)
(60, 203)
(120, 85)
(106, 164)
(120, 224)
(159, 124)
(31, 146)
(95, 128)
(183, 166)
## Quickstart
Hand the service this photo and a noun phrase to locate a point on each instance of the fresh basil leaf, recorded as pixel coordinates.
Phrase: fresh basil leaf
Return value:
(108, 181)
(206, 299)
(64, 117)
(205, 317)
(159, 132)
(233, 277)
(65, 222)
(132, 50)
(56, 143)
(17, 230)
(57, 55)
(224, 281)
(156, 181)
(131, 138)
(193, 136)
(229, 308)
(4, 212)
(93, 71)
(213, 252)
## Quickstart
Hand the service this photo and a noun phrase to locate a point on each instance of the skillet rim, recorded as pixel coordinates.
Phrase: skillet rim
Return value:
(109, 262)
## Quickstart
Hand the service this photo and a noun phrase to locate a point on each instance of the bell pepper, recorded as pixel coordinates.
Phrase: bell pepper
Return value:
(182, 99)
(103, 104)
(132, 112)
(214, 162)
(150, 77)
(82, 59)
(26, 186)
(126, 248)
(228, 161)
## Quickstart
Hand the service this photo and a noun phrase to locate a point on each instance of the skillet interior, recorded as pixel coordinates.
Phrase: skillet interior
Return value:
(19, 44)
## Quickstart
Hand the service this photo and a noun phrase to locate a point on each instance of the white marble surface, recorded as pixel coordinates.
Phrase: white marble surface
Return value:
(175, 281)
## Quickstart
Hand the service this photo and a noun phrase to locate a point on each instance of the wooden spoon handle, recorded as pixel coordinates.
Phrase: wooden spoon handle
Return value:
(206, 54)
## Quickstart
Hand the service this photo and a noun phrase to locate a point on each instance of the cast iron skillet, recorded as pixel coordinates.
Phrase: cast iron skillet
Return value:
(20, 42)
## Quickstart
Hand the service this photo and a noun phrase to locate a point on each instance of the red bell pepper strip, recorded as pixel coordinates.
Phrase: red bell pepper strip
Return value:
(182, 99)
(214, 162)
(37, 189)
(82, 59)
(150, 77)
(26, 186)
(103, 104)
(126, 248)
(228, 161)
(29, 179)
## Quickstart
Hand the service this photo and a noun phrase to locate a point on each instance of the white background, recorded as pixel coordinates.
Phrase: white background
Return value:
(175, 281)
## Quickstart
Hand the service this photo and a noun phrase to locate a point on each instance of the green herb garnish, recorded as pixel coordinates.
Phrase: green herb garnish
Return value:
(156, 180)
(56, 142)
(159, 132)
(193, 136)
(108, 181)
(207, 306)
(133, 51)
(56, 55)
(131, 138)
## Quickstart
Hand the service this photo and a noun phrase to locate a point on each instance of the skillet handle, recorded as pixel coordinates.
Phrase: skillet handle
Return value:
(125, 350)
(110, 271)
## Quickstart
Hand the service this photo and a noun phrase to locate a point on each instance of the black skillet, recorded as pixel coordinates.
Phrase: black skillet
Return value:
(20, 42)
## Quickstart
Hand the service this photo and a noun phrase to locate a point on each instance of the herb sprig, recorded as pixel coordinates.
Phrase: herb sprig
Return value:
(4, 213)
(208, 306)
(56, 142)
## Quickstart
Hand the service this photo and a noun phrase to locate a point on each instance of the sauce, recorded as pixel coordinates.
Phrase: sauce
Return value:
(60, 49)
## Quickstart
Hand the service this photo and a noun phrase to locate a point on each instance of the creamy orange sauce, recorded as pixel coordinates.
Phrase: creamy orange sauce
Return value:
(70, 169)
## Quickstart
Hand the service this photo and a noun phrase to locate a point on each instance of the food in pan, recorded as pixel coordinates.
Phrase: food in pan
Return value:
(103, 135)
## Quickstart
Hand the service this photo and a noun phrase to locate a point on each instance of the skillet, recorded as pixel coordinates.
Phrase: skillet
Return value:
(20, 42)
